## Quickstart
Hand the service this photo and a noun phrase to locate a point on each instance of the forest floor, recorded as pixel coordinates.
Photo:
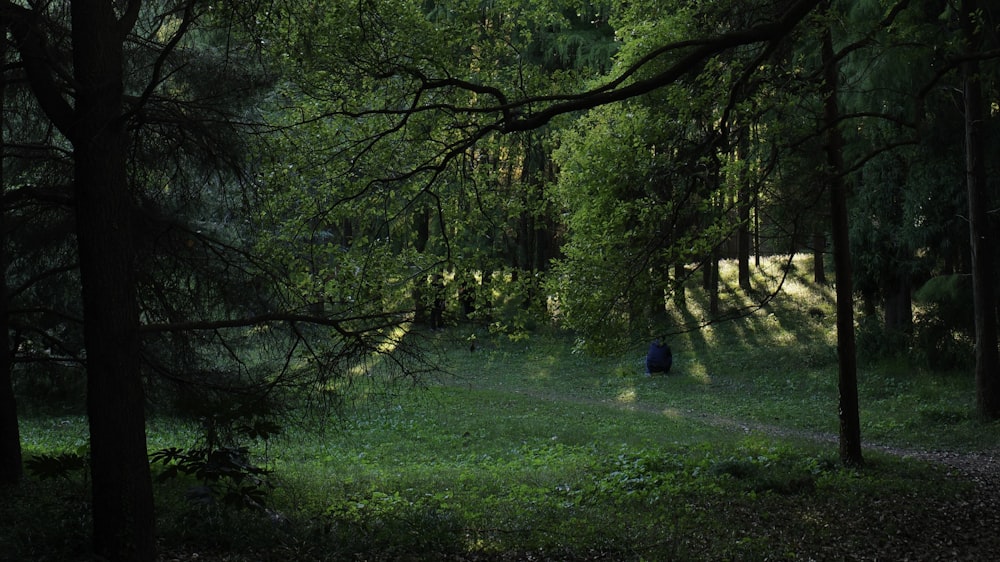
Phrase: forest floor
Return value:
(964, 529)
(527, 450)
(413, 449)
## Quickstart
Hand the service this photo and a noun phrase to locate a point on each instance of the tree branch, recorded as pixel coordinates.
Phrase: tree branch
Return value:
(131, 15)
(157, 78)
(280, 317)
(29, 42)
(701, 50)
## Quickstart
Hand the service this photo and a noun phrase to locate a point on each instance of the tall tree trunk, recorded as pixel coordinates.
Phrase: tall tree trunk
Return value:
(744, 202)
(680, 280)
(533, 230)
(10, 436)
(713, 283)
(987, 357)
(756, 230)
(898, 305)
(422, 233)
(819, 257)
(850, 419)
(122, 487)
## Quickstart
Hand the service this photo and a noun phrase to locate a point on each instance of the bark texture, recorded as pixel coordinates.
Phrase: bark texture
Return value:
(11, 467)
(122, 487)
(983, 291)
(849, 411)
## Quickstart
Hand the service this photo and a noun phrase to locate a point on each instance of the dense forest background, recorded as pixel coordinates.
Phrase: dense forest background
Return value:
(231, 210)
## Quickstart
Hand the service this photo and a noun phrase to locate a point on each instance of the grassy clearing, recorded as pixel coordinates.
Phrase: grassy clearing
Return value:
(527, 450)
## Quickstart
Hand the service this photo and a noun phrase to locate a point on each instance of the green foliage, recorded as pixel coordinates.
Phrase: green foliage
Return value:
(399, 525)
(53, 387)
(952, 296)
(541, 448)
(61, 465)
(647, 477)
(223, 465)
(531, 450)
(515, 310)
(776, 473)
(909, 207)
(226, 474)
(47, 520)
(654, 183)
(630, 219)
(944, 337)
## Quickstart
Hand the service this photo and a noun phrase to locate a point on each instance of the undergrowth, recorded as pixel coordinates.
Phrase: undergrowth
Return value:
(528, 450)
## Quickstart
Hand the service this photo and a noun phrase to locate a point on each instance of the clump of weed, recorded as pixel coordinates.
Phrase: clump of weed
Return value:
(762, 474)
(395, 525)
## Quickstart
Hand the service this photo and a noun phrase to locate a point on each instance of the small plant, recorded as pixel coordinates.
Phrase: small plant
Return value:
(62, 465)
(225, 474)
(398, 525)
(223, 464)
(777, 474)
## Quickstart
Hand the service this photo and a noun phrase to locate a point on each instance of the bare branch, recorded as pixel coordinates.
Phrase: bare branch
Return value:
(129, 18)
(187, 19)
(29, 41)
(338, 324)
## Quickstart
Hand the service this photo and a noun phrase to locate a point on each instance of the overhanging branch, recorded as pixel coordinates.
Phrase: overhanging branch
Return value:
(701, 50)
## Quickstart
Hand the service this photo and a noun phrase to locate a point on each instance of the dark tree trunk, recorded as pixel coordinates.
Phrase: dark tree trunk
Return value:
(10, 437)
(468, 288)
(756, 230)
(987, 358)
(819, 258)
(525, 242)
(534, 231)
(680, 279)
(744, 202)
(706, 273)
(899, 305)
(422, 232)
(484, 304)
(657, 296)
(850, 419)
(713, 284)
(122, 488)
(743, 249)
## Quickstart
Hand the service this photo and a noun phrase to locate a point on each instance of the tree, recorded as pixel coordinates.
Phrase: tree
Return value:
(123, 515)
(656, 189)
(191, 281)
(850, 424)
(10, 439)
(980, 232)
(40, 285)
(122, 488)
(498, 111)
(893, 199)
(94, 125)
(468, 217)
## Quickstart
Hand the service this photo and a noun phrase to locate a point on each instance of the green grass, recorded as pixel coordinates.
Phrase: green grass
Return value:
(529, 450)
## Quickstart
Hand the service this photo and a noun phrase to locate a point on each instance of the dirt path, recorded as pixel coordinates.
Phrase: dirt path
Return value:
(957, 530)
(980, 468)
(962, 529)
(981, 465)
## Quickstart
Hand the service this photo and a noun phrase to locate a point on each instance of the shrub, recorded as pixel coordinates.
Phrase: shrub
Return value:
(944, 331)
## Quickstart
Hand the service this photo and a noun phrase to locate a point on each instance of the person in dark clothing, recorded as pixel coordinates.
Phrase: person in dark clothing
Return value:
(659, 358)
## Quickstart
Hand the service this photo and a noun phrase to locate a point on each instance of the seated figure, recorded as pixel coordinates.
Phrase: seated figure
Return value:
(659, 358)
